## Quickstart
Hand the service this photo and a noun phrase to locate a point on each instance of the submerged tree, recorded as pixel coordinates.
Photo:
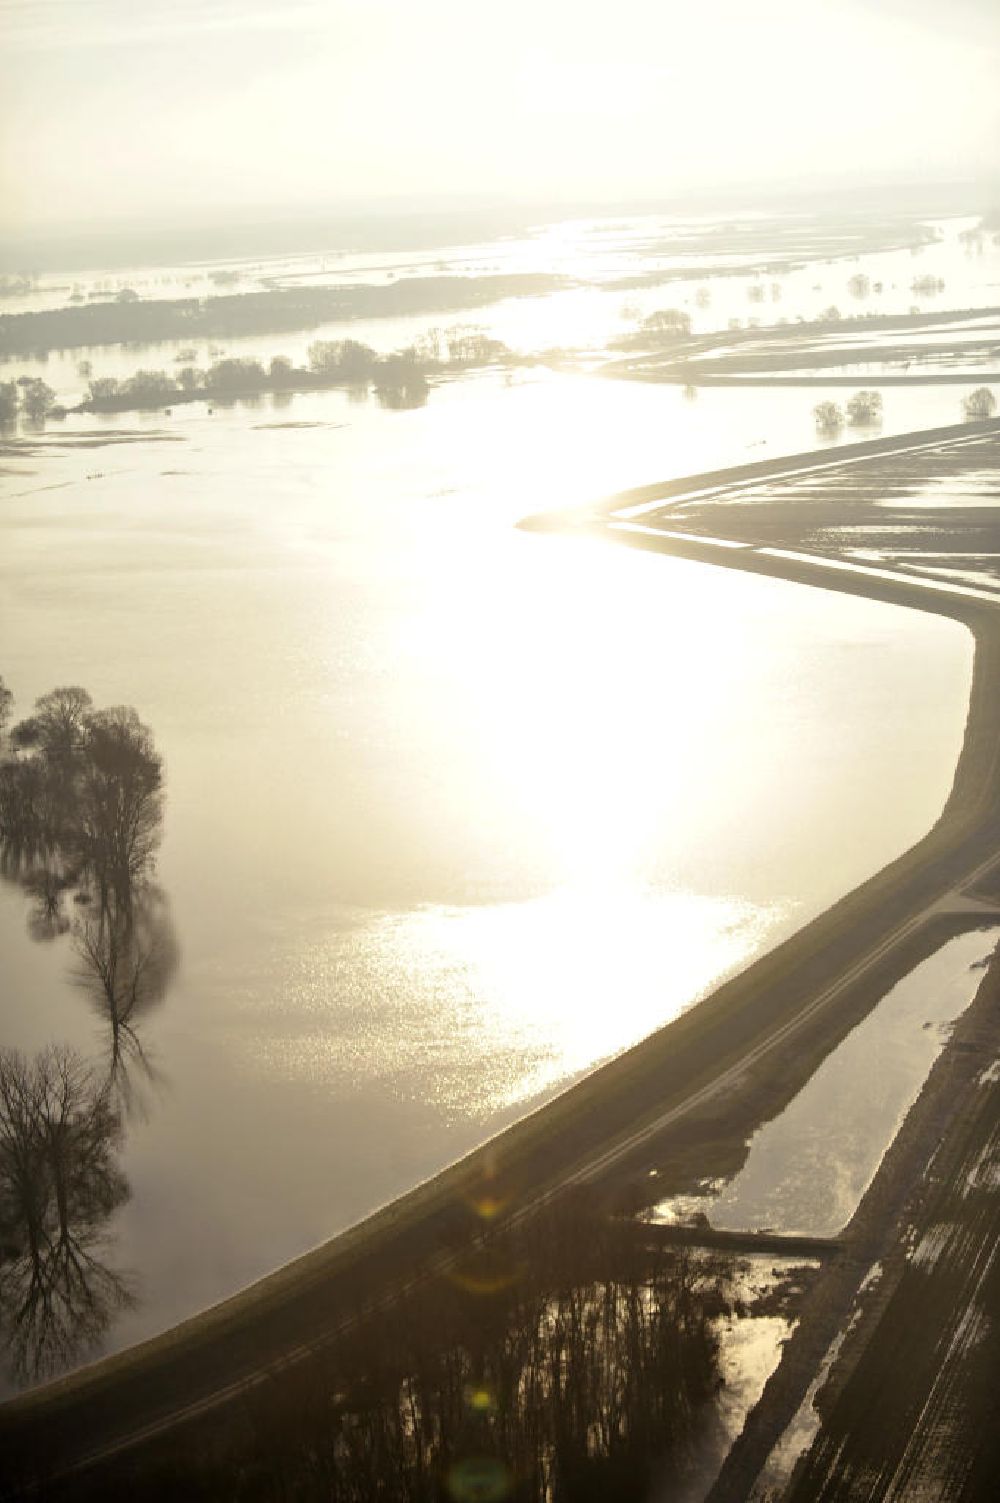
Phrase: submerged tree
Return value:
(27, 394)
(81, 812)
(829, 419)
(400, 383)
(235, 374)
(103, 388)
(979, 404)
(864, 407)
(119, 803)
(670, 322)
(148, 387)
(9, 401)
(85, 789)
(344, 359)
(37, 399)
(469, 346)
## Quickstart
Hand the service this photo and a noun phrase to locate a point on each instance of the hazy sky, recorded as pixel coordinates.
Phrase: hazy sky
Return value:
(112, 107)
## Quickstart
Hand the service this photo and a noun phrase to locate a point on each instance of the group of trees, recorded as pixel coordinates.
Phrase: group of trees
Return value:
(399, 380)
(659, 329)
(81, 808)
(461, 347)
(864, 409)
(27, 395)
(669, 322)
(81, 792)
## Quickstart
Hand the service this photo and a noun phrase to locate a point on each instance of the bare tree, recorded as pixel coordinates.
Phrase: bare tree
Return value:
(6, 705)
(119, 800)
(59, 1184)
(61, 717)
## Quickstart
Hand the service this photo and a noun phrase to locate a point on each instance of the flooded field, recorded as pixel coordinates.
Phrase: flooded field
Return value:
(402, 912)
(499, 775)
(607, 276)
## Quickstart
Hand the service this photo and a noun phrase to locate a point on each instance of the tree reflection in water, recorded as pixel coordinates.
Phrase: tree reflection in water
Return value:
(566, 1360)
(81, 813)
(126, 958)
(59, 1183)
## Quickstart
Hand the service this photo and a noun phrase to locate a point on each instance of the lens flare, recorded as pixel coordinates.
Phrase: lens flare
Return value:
(486, 1272)
(479, 1479)
(481, 1399)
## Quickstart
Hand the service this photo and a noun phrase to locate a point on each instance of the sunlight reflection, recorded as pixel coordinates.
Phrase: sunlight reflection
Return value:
(579, 696)
(482, 1008)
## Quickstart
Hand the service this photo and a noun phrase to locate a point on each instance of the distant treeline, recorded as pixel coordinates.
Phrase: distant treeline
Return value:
(400, 379)
(141, 321)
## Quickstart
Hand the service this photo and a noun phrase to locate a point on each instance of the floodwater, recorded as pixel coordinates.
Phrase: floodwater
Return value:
(751, 1340)
(453, 811)
(707, 273)
(808, 1168)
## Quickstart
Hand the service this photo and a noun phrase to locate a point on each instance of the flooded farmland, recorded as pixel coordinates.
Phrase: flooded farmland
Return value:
(402, 916)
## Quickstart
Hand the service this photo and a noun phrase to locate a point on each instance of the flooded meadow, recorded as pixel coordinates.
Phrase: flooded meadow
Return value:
(451, 812)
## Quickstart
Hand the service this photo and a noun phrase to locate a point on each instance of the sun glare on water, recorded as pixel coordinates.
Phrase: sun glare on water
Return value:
(568, 701)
